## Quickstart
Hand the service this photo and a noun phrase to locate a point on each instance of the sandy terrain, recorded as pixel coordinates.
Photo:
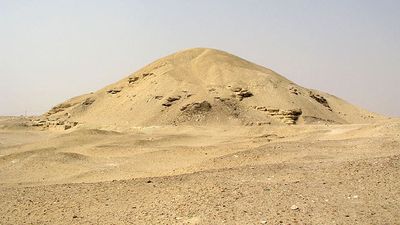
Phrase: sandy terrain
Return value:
(304, 174)
(201, 137)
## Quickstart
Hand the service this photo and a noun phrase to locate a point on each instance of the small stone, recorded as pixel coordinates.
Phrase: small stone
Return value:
(132, 80)
(167, 104)
(183, 108)
(263, 222)
(147, 74)
(294, 207)
(114, 91)
(236, 89)
(173, 98)
(245, 94)
(88, 101)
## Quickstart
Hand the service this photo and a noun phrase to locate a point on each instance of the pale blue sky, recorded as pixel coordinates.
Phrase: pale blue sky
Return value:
(53, 50)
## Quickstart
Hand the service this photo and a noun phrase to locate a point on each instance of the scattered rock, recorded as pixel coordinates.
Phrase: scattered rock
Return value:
(320, 99)
(203, 106)
(173, 98)
(236, 89)
(221, 99)
(147, 74)
(261, 108)
(261, 123)
(240, 93)
(249, 123)
(167, 104)
(132, 80)
(271, 111)
(294, 91)
(245, 93)
(39, 123)
(114, 91)
(294, 207)
(88, 101)
(48, 123)
(170, 100)
(59, 108)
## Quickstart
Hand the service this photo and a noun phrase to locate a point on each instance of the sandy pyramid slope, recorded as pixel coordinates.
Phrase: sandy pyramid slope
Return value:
(203, 87)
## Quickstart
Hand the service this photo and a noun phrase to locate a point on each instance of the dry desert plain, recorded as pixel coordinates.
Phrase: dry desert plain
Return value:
(201, 137)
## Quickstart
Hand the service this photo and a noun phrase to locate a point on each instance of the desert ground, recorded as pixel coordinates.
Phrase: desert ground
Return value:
(303, 174)
(201, 137)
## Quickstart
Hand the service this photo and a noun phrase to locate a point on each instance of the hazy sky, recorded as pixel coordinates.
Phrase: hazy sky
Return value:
(53, 50)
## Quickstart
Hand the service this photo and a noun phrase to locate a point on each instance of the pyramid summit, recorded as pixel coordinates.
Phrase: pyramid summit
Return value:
(203, 86)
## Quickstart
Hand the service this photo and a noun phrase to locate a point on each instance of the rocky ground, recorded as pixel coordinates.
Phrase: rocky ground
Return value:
(336, 174)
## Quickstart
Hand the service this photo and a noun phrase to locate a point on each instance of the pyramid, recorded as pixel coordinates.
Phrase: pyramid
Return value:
(203, 87)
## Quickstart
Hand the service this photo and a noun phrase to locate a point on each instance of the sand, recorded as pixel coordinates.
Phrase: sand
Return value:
(334, 174)
(283, 154)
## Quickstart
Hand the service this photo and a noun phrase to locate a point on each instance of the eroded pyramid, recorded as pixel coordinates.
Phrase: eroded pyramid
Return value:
(203, 87)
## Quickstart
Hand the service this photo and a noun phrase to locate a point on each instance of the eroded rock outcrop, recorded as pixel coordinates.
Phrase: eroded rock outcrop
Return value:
(294, 91)
(114, 91)
(286, 116)
(241, 93)
(194, 112)
(132, 80)
(320, 99)
(203, 106)
(147, 74)
(46, 123)
(59, 108)
(88, 101)
(171, 100)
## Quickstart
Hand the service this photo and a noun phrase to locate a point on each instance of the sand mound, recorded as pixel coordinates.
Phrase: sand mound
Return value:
(203, 87)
